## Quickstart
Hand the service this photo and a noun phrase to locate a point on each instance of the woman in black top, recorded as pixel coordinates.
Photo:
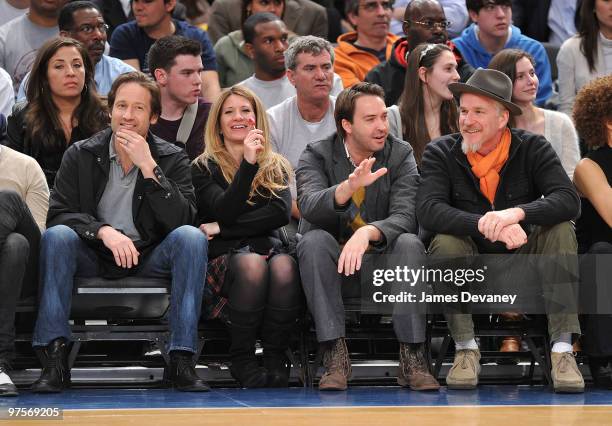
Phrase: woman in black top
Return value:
(243, 198)
(62, 105)
(593, 178)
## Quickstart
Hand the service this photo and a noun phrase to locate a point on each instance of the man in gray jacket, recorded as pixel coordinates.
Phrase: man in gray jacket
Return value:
(357, 189)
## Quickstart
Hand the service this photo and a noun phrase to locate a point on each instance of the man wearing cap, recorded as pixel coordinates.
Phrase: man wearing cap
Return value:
(492, 189)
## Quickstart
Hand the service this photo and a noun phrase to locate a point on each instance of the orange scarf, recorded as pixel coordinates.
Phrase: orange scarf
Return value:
(487, 167)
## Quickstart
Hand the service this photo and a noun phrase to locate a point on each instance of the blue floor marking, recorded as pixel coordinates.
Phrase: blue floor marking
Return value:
(298, 397)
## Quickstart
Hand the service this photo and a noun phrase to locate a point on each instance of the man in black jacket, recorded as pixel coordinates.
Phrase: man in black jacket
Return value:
(490, 189)
(424, 22)
(357, 190)
(123, 205)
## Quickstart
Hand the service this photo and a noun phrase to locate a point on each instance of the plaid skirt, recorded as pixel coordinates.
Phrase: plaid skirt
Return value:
(214, 300)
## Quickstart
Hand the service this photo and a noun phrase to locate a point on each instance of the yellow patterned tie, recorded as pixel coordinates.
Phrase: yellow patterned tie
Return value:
(358, 197)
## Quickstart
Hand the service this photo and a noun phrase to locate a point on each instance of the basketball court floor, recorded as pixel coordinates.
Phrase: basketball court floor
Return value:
(514, 405)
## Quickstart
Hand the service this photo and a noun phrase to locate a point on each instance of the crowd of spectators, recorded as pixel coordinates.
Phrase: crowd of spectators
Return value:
(182, 138)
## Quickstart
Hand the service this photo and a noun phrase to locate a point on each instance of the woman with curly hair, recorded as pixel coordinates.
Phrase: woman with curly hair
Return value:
(243, 197)
(426, 108)
(586, 55)
(62, 105)
(593, 179)
(556, 127)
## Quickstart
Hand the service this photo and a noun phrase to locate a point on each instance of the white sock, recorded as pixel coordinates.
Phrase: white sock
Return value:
(5, 379)
(563, 343)
(466, 344)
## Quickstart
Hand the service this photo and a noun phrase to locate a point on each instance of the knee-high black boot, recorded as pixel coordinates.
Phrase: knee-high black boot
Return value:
(275, 336)
(243, 331)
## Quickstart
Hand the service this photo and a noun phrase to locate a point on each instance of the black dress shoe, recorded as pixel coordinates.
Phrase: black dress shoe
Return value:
(601, 370)
(182, 373)
(55, 375)
(7, 387)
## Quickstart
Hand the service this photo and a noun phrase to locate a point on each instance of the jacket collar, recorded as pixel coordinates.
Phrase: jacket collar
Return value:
(346, 43)
(401, 50)
(339, 152)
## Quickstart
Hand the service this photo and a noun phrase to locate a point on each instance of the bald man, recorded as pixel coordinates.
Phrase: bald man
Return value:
(424, 22)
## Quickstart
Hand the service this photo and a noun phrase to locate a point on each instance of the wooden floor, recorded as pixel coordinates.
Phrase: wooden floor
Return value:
(351, 416)
(489, 405)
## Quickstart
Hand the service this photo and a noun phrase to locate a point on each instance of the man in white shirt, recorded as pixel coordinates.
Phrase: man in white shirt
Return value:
(309, 115)
(266, 39)
(11, 9)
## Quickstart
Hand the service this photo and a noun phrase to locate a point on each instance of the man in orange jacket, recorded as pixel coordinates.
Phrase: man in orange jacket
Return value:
(361, 50)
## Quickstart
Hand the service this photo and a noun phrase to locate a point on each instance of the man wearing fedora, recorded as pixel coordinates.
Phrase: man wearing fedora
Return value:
(494, 190)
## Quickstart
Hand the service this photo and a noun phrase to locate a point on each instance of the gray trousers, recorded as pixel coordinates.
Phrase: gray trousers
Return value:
(556, 239)
(318, 253)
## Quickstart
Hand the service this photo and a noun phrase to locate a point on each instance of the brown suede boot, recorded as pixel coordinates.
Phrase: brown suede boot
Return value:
(337, 366)
(464, 372)
(565, 374)
(413, 369)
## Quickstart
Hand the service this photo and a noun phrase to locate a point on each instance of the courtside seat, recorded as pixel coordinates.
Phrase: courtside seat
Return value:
(127, 309)
(122, 299)
(131, 309)
(125, 298)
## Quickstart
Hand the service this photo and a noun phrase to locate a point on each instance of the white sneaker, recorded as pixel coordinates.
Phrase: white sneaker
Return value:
(7, 387)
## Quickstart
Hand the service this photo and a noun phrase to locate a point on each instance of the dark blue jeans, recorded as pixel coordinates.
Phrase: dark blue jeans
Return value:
(182, 255)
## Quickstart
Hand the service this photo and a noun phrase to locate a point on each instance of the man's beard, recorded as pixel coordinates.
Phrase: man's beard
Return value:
(466, 148)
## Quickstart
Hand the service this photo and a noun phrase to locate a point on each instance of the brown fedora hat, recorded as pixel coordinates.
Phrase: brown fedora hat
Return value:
(490, 83)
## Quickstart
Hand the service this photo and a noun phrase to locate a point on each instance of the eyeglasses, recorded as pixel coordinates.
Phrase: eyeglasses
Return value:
(88, 29)
(372, 6)
(430, 25)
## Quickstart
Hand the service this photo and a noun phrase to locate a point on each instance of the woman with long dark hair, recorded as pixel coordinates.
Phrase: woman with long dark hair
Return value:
(426, 108)
(62, 105)
(243, 197)
(556, 127)
(586, 55)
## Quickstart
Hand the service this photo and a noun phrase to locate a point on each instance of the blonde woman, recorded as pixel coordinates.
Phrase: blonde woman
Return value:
(243, 198)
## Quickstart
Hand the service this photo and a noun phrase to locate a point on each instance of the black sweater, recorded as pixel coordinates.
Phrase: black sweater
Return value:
(449, 200)
(241, 223)
(49, 157)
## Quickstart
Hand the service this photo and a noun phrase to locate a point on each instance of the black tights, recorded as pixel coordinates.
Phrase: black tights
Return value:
(253, 283)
